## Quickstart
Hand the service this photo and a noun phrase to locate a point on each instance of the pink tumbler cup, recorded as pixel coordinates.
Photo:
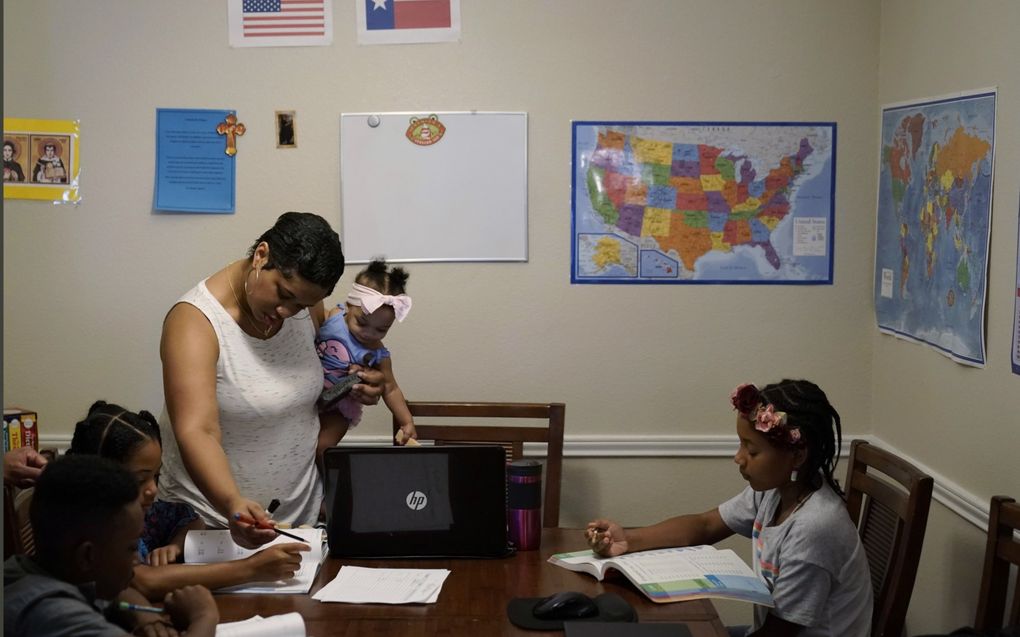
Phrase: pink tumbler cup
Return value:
(524, 504)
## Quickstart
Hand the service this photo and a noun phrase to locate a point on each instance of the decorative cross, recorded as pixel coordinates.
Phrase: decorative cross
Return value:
(232, 129)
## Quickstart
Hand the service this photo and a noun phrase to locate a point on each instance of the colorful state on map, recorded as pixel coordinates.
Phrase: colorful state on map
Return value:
(933, 230)
(703, 202)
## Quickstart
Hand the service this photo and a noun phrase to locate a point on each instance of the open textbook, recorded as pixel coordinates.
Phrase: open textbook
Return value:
(215, 545)
(676, 574)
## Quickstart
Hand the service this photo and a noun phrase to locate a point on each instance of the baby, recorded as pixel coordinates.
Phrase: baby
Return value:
(352, 335)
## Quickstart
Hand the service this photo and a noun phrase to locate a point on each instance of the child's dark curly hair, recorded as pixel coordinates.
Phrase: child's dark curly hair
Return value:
(110, 431)
(382, 278)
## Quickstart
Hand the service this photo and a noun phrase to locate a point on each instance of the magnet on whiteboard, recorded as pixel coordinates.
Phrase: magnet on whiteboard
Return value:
(373, 120)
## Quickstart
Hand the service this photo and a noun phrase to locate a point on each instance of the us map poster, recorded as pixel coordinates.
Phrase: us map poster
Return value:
(703, 202)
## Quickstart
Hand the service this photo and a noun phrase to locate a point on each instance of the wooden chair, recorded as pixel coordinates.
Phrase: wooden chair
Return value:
(17, 526)
(1002, 550)
(888, 499)
(511, 437)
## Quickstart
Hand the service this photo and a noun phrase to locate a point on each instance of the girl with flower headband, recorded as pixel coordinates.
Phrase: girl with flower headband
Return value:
(352, 335)
(806, 549)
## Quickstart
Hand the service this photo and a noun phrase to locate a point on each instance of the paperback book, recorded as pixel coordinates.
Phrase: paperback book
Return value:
(676, 574)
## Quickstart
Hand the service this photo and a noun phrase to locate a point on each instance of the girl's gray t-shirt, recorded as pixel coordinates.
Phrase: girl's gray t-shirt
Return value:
(814, 562)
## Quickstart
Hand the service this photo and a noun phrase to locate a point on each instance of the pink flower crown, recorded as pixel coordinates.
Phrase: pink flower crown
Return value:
(750, 404)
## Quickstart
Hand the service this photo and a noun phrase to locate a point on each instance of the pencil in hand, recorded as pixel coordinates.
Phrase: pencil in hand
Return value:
(136, 607)
(247, 519)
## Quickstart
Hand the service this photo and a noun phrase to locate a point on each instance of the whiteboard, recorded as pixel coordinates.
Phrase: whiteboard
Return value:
(462, 198)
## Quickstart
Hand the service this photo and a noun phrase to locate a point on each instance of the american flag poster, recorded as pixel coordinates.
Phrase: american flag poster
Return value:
(280, 22)
(408, 21)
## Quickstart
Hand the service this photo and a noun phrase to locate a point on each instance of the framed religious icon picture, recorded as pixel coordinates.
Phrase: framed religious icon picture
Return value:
(41, 159)
(286, 133)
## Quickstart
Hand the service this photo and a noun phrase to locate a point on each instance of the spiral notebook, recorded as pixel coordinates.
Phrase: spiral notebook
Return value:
(411, 502)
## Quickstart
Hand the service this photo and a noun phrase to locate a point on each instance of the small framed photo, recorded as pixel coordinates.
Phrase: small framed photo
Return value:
(286, 131)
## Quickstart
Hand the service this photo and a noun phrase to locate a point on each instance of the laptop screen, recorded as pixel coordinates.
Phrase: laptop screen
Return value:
(416, 502)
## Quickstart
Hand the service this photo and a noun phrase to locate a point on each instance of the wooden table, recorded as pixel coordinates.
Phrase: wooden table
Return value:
(473, 599)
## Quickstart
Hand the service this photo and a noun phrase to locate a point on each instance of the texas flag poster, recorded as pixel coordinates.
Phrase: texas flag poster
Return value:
(408, 21)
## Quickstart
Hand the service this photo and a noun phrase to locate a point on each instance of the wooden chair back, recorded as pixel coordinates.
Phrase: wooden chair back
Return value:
(1002, 550)
(18, 537)
(888, 499)
(511, 437)
(17, 526)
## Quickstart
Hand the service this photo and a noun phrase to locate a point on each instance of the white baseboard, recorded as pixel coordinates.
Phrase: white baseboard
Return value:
(951, 495)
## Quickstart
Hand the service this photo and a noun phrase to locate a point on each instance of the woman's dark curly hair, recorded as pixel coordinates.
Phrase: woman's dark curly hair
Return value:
(305, 244)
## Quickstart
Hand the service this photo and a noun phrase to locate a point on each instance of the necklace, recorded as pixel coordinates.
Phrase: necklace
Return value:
(780, 518)
(247, 314)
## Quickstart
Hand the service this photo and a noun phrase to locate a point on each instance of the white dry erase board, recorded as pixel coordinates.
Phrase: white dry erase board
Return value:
(453, 188)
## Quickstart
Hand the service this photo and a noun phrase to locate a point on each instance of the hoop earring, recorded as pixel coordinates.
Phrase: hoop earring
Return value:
(793, 476)
(246, 290)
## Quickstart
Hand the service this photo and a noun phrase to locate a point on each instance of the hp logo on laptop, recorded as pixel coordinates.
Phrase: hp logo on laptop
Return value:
(416, 500)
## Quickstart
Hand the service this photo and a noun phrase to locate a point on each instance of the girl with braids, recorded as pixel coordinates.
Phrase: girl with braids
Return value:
(132, 440)
(806, 548)
(353, 335)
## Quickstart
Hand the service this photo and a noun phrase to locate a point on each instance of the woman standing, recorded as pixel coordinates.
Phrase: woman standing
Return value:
(241, 378)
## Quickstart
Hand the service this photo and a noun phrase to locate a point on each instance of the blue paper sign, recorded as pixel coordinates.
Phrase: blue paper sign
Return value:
(193, 171)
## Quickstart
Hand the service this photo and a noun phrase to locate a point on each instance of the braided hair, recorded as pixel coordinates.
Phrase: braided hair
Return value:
(382, 278)
(110, 431)
(809, 410)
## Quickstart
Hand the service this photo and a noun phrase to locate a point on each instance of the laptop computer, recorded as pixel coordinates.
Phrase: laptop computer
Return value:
(411, 502)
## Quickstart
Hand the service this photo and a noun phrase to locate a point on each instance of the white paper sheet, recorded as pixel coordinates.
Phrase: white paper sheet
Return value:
(358, 585)
(289, 625)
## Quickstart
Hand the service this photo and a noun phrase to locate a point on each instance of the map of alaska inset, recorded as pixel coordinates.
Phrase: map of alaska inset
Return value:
(703, 202)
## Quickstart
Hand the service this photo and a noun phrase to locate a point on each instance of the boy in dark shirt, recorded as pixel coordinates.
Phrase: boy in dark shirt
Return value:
(86, 521)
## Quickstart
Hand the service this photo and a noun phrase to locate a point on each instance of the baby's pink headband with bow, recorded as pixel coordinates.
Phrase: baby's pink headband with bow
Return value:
(371, 300)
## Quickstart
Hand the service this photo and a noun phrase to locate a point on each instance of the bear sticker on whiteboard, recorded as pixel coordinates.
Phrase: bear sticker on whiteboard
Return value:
(425, 131)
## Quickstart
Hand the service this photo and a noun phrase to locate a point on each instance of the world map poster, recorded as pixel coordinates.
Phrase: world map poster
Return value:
(703, 202)
(934, 204)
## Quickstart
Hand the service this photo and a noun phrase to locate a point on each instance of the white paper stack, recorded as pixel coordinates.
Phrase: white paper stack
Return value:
(358, 585)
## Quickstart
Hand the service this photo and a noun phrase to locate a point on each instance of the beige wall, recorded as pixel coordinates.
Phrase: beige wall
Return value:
(85, 288)
(963, 423)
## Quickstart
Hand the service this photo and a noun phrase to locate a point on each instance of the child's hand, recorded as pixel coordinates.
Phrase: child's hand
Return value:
(155, 629)
(164, 555)
(407, 435)
(606, 538)
(277, 562)
(190, 605)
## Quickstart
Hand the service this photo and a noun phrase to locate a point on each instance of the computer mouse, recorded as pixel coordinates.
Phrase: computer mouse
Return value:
(565, 605)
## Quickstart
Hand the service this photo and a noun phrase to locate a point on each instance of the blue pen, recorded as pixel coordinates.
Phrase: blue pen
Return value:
(144, 609)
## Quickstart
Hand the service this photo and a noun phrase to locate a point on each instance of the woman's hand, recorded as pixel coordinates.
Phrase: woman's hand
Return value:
(164, 555)
(243, 517)
(606, 538)
(277, 562)
(371, 387)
